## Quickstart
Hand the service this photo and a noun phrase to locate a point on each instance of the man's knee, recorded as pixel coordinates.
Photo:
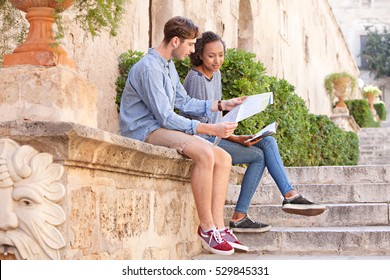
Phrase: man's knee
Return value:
(223, 158)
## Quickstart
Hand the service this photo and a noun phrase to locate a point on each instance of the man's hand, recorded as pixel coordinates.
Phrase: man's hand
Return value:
(222, 129)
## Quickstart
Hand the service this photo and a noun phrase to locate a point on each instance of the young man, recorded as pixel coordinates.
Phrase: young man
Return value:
(152, 91)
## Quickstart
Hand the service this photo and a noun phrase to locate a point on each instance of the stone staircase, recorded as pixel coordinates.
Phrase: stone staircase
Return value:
(356, 222)
(375, 145)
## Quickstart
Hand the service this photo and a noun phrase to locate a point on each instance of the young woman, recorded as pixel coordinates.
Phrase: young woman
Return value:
(204, 82)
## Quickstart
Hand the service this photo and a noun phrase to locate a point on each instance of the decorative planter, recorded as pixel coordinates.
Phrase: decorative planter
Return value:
(340, 90)
(40, 47)
(370, 98)
(371, 92)
(339, 85)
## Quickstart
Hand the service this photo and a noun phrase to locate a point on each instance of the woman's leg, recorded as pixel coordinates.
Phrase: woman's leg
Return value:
(293, 203)
(274, 164)
(254, 157)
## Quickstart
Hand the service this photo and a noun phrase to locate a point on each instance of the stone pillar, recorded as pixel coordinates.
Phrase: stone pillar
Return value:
(343, 120)
(53, 94)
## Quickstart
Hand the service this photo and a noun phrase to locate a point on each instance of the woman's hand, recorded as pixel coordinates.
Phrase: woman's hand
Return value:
(240, 139)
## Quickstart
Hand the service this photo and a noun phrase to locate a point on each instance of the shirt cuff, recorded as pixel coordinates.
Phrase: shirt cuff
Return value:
(195, 124)
(209, 104)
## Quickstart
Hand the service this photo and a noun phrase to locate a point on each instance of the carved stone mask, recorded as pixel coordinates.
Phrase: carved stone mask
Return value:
(29, 192)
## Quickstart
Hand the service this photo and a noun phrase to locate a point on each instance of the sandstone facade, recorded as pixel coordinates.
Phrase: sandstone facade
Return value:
(301, 45)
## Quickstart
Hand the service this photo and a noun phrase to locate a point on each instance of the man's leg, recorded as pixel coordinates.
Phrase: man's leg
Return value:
(210, 173)
(209, 180)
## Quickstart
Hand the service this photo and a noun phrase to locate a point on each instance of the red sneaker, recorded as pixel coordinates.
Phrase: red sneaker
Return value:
(228, 235)
(213, 242)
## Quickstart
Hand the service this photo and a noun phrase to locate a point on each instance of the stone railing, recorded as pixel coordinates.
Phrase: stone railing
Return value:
(75, 192)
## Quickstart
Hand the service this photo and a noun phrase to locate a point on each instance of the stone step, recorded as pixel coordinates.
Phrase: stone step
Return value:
(374, 130)
(374, 160)
(374, 147)
(326, 193)
(377, 153)
(349, 214)
(369, 148)
(361, 241)
(254, 255)
(312, 243)
(379, 140)
(334, 174)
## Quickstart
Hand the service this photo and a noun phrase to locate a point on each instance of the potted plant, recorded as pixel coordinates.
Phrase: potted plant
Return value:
(41, 47)
(370, 92)
(339, 85)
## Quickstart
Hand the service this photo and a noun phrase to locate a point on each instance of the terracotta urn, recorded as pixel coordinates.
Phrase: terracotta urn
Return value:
(370, 98)
(40, 48)
(341, 87)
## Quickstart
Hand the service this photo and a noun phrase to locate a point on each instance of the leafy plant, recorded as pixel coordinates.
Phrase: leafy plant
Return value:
(360, 110)
(380, 109)
(126, 61)
(97, 15)
(339, 84)
(330, 145)
(8, 37)
(182, 67)
(377, 52)
(371, 90)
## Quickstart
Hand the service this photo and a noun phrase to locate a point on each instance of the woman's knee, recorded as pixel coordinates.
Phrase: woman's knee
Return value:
(268, 141)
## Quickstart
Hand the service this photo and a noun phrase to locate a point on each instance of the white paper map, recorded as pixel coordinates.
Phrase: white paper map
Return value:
(253, 104)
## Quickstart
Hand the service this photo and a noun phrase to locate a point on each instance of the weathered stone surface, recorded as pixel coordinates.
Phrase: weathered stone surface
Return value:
(38, 93)
(124, 199)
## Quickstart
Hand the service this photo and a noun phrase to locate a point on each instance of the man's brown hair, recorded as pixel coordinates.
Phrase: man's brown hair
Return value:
(181, 27)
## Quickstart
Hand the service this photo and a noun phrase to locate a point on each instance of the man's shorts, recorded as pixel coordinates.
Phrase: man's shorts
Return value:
(172, 139)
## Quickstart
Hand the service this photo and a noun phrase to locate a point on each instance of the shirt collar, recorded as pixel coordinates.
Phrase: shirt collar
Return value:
(165, 63)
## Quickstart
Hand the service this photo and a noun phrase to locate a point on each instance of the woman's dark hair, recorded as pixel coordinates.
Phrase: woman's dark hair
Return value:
(181, 27)
(207, 37)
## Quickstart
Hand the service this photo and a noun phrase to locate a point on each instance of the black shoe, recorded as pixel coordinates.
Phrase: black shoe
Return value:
(248, 225)
(301, 206)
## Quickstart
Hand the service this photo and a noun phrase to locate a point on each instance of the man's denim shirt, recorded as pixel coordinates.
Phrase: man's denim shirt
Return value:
(152, 91)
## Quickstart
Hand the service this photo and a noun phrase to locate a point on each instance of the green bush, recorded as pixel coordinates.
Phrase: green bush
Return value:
(380, 109)
(330, 145)
(303, 138)
(182, 67)
(126, 61)
(360, 110)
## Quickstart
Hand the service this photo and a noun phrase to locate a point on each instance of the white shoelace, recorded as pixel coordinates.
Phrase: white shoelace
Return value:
(217, 236)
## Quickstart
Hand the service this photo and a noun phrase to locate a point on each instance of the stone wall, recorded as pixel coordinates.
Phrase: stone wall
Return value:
(300, 45)
(124, 199)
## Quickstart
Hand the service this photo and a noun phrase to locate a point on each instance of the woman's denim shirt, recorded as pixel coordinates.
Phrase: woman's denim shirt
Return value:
(152, 91)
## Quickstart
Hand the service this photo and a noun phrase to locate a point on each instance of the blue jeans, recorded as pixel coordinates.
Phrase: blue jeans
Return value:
(263, 154)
